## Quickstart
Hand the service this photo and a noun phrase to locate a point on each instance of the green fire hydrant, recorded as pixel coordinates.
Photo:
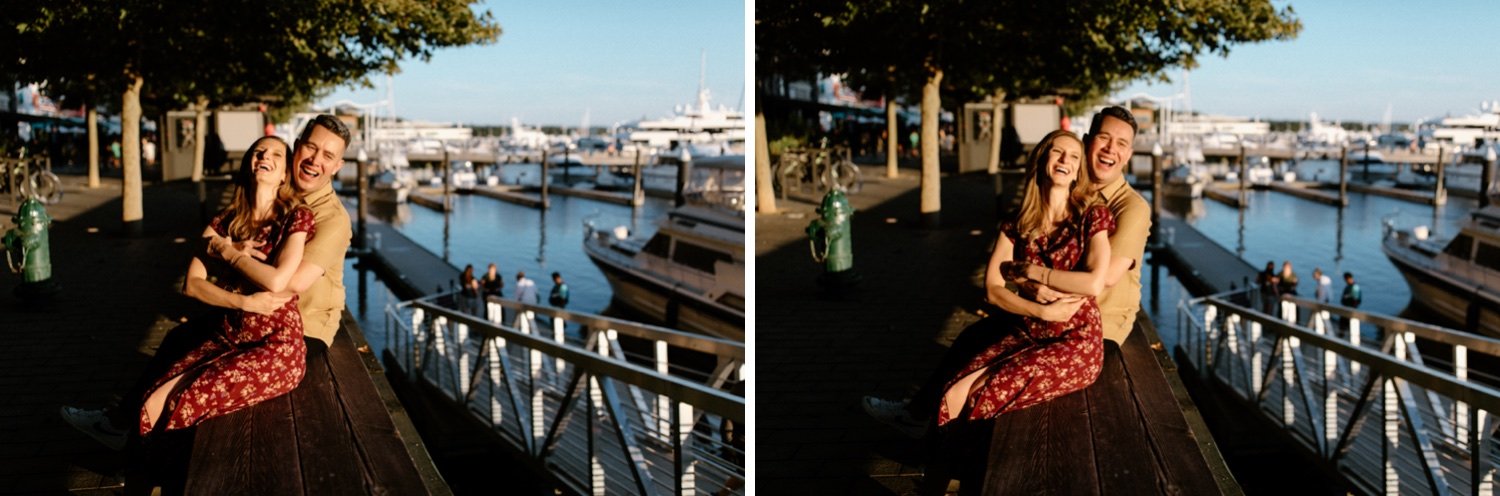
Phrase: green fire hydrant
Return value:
(830, 240)
(27, 250)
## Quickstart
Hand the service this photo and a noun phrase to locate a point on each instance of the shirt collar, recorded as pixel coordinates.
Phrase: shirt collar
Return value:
(1112, 190)
(319, 195)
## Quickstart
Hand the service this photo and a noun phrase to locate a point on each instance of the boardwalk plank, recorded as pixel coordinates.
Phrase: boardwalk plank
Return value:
(1123, 456)
(1038, 450)
(389, 465)
(330, 462)
(246, 449)
(1182, 459)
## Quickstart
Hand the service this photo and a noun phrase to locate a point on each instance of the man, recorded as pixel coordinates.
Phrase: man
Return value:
(319, 280)
(559, 296)
(1110, 143)
(1353, 296)
(1325, 285)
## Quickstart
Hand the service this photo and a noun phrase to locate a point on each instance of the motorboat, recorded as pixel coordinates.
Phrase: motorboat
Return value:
(462, 176)
(661, 180)
(690, 273)
(1185, 181)
(1456, 277)
(391, 186)
(568, 168)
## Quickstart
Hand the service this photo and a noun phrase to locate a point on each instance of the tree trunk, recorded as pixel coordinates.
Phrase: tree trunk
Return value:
(200, 131)
(93, 123)
(996, 131)
(892, 151)
(130, 154)
(932, 200)
(765, 195)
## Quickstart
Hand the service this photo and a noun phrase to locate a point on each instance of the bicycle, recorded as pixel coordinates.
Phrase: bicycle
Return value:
(41, 184)
(815, 172)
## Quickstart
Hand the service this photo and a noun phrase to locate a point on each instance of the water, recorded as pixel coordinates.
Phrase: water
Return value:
(1278, 227)
(482, 230)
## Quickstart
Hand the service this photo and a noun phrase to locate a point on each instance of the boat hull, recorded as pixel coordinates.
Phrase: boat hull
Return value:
(660, 300)
(1450, 297)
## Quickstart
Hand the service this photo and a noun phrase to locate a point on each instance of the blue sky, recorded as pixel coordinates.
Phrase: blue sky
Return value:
(1352, 59)
(619, 60)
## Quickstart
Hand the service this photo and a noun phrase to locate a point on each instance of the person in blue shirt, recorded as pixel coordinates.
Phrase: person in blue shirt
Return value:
(1352, 294)
(559, 296)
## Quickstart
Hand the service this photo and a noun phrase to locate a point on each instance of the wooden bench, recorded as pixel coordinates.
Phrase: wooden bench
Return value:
(1134, 431)
(342, 431)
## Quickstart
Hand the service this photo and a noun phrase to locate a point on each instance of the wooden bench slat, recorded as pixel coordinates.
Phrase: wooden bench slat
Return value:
(330, 462)
(388, 460)
(1186, 467)
(243, 450)
(1039, 450)
(1123, 456)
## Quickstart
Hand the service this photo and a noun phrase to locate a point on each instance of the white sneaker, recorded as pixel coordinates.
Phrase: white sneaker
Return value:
(96, 424)
(895, 414)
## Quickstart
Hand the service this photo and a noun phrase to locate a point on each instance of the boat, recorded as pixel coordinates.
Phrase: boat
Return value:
(1455, 277)
(690, 273)
(661, 180)
(391, 186)
(1185, 181)
(462, 175)
(567, 169)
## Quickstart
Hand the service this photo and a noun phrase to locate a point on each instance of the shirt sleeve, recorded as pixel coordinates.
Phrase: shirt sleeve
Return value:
(303, 221)
(220, 223)
(327, 249)
(1132, 226)
(1100, 220)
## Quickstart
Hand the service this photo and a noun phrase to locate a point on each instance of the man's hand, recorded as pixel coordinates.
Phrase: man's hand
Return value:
(1062, 309)
(265, 302)
(226, 249)
(1014, 271)
(1042, 293)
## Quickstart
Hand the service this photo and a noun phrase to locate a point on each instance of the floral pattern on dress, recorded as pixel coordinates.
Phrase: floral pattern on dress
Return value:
(252, 358)
(1038, 360)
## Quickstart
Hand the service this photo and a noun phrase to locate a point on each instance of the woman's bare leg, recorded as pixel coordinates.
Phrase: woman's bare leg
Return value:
(956, 396)
(158, 400)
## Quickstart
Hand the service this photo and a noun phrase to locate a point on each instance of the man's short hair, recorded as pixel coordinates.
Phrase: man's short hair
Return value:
(329, 122)
(556, 275)
(1348, 275)
(1117, 112)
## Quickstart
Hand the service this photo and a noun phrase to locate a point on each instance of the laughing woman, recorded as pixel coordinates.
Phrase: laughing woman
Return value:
(252, 357)
(1059, 238)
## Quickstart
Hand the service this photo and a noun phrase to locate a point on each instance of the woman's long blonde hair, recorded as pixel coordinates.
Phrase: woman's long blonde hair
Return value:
(242, 223)
(1033, 213)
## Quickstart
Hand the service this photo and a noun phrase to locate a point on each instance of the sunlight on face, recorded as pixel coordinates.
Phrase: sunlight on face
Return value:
(268, 162)
(1110, 150)
(1063, 161)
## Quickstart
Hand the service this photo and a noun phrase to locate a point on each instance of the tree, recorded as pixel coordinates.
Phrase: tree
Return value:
(1014, 48)
(226, 52)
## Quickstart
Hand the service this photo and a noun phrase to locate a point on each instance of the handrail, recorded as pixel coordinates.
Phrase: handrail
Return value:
(1482, 344)
(1479, 395)
(709, 399)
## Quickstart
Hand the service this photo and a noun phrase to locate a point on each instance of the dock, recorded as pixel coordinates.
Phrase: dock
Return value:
(1307, 191)
(623, 198)
(1414, 196)
(425, 197)
(1203, 266)
(1226, 195)
(512, 194)
(820, 353)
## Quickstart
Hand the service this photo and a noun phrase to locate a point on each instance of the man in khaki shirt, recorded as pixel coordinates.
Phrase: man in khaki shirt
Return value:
(1110, 143)
(319, 280)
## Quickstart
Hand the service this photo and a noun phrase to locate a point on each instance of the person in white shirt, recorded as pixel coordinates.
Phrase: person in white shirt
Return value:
(525, 293)
(1324, 292)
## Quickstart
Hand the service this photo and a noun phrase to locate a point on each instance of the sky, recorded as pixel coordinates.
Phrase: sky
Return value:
(1352, 60)
(556, 59)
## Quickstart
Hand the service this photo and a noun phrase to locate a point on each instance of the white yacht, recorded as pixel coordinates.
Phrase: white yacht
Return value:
(1458, 277)
(391, 186)
(691, 272)
(1185, 181)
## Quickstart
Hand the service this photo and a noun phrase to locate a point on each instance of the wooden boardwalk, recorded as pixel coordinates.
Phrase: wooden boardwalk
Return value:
(1202, 265)
(1134, 431)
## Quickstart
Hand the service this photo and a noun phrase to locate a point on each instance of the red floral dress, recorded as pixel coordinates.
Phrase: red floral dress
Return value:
(1038, 360)
(252, 357)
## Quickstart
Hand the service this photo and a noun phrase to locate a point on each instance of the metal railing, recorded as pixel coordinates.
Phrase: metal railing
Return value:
(647, 414)
(1325, 372)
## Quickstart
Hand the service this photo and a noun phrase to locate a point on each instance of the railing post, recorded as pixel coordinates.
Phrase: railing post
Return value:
(1460, 408)
(682, 430)
(416, 327)
(1354, 336)
(663, 404)
(439, 341)
(463, 361)
(538, 405)
(596, 468)
(1210, 317)
(1256, 379)
(1392, 445)
(1288, 414)
(559, 335)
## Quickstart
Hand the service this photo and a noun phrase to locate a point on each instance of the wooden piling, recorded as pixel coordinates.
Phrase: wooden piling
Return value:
(1344, 175)
(684, 171)
(363, 179)
(1156, 187)
(638, 191)
(1440, 191)
(1244, 175)
(1486, 176)
(546, 201)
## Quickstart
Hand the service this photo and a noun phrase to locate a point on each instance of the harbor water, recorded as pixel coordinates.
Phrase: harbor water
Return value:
(481, 230)
(1277, 227)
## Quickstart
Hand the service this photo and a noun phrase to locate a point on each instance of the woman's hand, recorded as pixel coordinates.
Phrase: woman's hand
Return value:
(1062, 309)
(1014, 271)
(265, 302)
(1042, 293)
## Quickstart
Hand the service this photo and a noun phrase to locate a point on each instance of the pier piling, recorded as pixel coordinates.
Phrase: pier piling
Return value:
(546, 201)
(1440, 192)
(1343, 175)
(364, 182)
(638, 191)
(1486, 177)
(1244, 175)
(684, 171)
(1156, 187)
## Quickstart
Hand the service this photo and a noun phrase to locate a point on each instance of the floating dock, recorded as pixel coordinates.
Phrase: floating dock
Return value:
(1308, 191)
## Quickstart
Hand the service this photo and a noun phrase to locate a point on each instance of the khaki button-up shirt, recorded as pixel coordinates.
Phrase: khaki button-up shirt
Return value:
(1120, 302)
(322, 305)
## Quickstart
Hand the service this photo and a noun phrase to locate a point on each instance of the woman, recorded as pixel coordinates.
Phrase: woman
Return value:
(493, 284)
(252, 357)
(1288, 283)
(1059, 238)
(467, 283)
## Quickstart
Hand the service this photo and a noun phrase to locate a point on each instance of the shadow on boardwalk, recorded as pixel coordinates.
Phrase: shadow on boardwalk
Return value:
(818, 356)
(119, 297)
